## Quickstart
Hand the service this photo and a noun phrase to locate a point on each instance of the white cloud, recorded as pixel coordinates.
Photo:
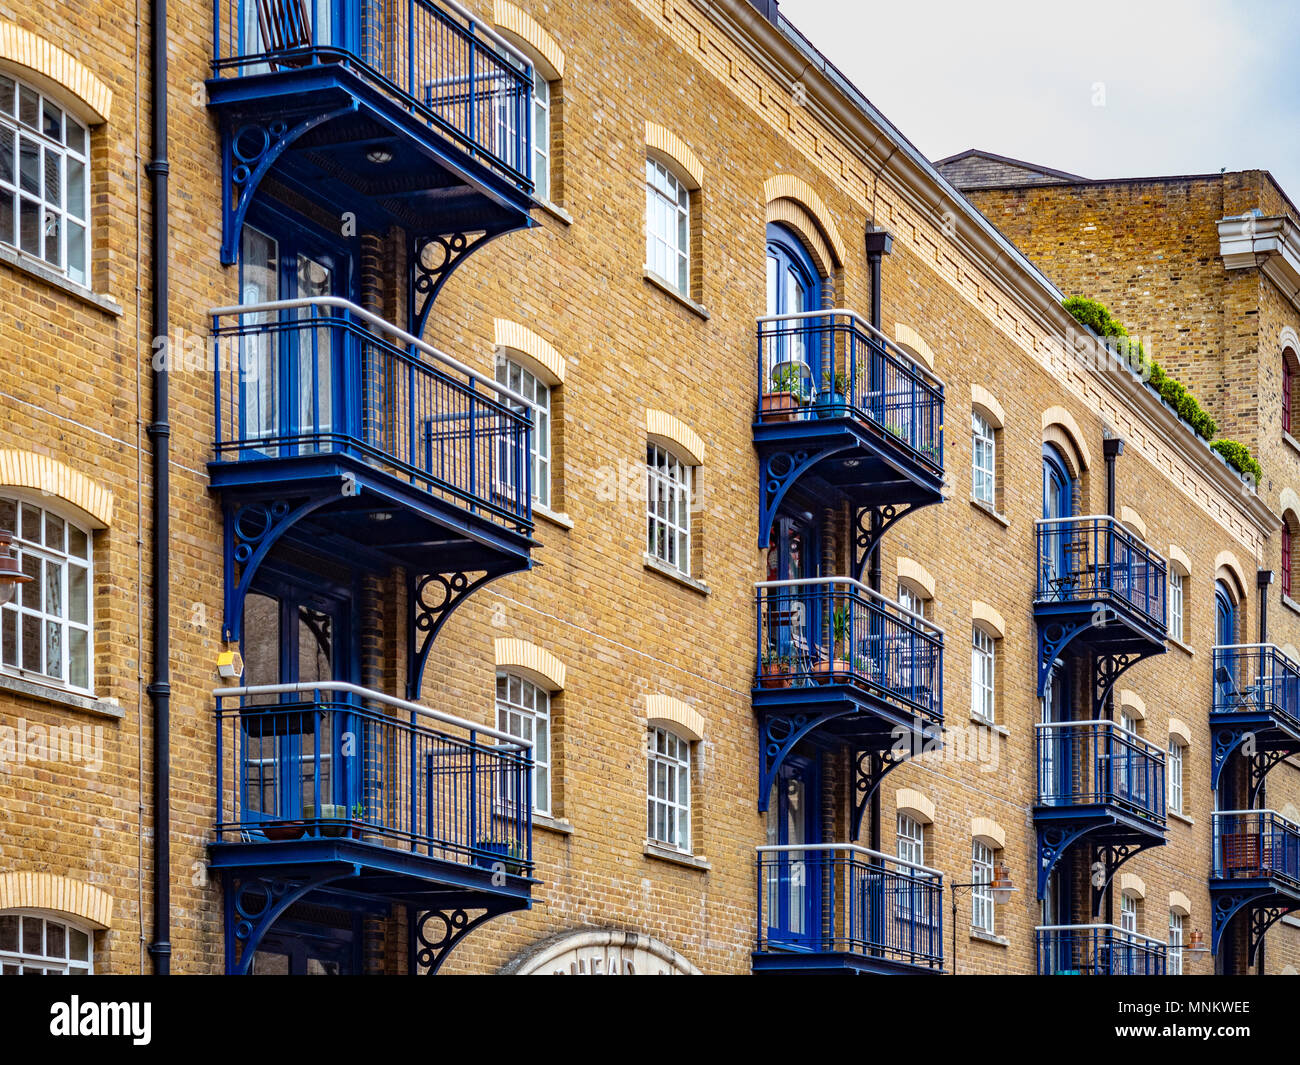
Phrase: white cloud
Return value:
(1189, 88)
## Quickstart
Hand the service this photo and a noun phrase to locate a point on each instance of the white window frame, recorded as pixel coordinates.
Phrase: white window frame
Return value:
(516, 375)
(1177, 590)
(982, 915)
(1174, 964)
(1176, 749)
(668, 508)
(668, 226)
(18, 959)
(541, 136)
(910, 599)
(911, 840)
(668, 789)
(983, 675)
(523, 716)
(53, 141)
(32, 601)
(1128, 914)
(984, 477)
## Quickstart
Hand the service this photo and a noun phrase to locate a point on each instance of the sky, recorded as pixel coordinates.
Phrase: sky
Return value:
(1109, 88)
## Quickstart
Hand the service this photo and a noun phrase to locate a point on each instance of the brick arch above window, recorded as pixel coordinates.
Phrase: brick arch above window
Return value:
(1180, 731)
(1179, 560)
(56, 894)
(1133, 520)
(789, 187)
(795, 217)
(674, 434)
(915, 805)
(1132, 885)
(1131, 702)
(917, 576)
(1180, 904)
(531, 661)
(671, 149)
(1060, 428)
(521, 28)
(988, 618)
(35, 55)
(676, 715)
(513, 337)
(1227, 564)
(50, 477)
(989, 408)
(914, 344)
(989, 832)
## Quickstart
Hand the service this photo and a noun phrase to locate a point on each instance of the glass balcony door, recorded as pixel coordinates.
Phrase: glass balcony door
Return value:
(793, 880)
(793, 287)
(1058, 502)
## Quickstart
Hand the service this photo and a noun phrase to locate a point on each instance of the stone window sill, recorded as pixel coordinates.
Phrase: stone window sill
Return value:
(555, 211)
(28, 265)
(1290, 441)
(982, 936)
(47, 693)
(989, 512)
(667, 854)
(667, 288)
(552, 824)
(555, 517)
(665, 570)
(1181, 817)
(1001, 730)
(1180, 645)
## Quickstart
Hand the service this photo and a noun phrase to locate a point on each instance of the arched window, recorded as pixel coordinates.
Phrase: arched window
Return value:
(1290, 381)
(524, 710)
(1290, 530)
(793, 287)
(32, 944)
(1058, 504)
(44, 179)
(1225, 614)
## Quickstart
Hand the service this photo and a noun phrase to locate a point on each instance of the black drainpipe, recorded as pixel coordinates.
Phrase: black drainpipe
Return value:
(879, 244)
(160, 949)
(1263, 579)
(1112, 447)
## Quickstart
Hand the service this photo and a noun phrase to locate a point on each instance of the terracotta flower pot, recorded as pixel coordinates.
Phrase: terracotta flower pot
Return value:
(775, 675)
(835, 672)
(286, 830)
(780, 406)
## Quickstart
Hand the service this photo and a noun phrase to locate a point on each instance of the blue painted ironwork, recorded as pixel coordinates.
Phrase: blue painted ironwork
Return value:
(433, 260)
(1100, 587)
(436, 933)
(1255, 868)
(1255, 710)
(838, 399)
(1098, 763)
(871, 911)
(870, 767)
(1098, 950)
(333, 761)
(831, 649)
(1101, 785)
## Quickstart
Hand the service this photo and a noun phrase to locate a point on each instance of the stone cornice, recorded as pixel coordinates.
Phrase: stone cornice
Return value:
(1270, 243)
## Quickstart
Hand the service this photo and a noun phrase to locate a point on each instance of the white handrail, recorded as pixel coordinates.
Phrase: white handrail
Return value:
(487, 31)
(1250, 647)
(844, 311)
(1237, 813)
(383, 326)
(369, 693)
(1124, 932)
(856, 585)
(853, 848)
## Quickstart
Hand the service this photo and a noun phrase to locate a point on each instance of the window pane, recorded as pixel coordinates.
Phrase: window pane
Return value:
(33, 939)
(29, 226)
(9, 932)
(7, 144)
(76, 136)
(79, 948)
(28, 106)
(29, 165)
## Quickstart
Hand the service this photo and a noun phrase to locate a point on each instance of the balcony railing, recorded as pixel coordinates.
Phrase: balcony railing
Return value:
(832, 364)
(1256, 678)
(1082, 560)
(429, 57)
(1098, 763)
(323, 376)
(835, 630)
(1098, 950)
(840, 898)
(1256, 844)
(336, 761)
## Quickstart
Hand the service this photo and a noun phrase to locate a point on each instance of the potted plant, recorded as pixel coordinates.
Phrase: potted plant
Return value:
(786, 396)
(489, 852)
(775, 670)
(358, 819)
(836, 670)
(837, 403)
(284, 830)
(331, 820)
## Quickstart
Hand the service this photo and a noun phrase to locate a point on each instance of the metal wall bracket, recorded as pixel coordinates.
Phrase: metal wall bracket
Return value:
(1110, 856)
(433, 260)
(871, 525)
(436, 933)
(252, 906)
(1107, 670)
(869, 769)
(1226, 906)
(777, 473)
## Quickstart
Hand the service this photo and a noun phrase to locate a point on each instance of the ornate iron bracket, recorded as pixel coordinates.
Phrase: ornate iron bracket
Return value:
(1226, 906)
(251, 531)
(248, 153)
(1054, 840)
(253, 906)
(872, 523)
(433, 260)
(431, 600)
(1108, 669)
(1053, 637)
(779, 733)
(448, 927)
(1110, 856)
(777, 472)
(869, 769)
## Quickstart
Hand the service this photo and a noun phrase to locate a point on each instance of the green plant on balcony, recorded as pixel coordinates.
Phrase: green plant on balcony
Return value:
(787, 393)
(837, 401)
(493, 851)
(836, 667)
(776, 669)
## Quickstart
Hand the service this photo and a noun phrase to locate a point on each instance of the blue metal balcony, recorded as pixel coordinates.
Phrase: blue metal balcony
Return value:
(1256, 870)
(1100, 590)
(344, 436)
(1098, 950)
(404, 113)
(840, 660)
(839, 908)
(845, 414)
(1098, 784)
(1257, 698)
(332, 793)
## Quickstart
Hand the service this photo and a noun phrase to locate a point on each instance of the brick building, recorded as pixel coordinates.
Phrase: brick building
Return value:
(595, 440)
